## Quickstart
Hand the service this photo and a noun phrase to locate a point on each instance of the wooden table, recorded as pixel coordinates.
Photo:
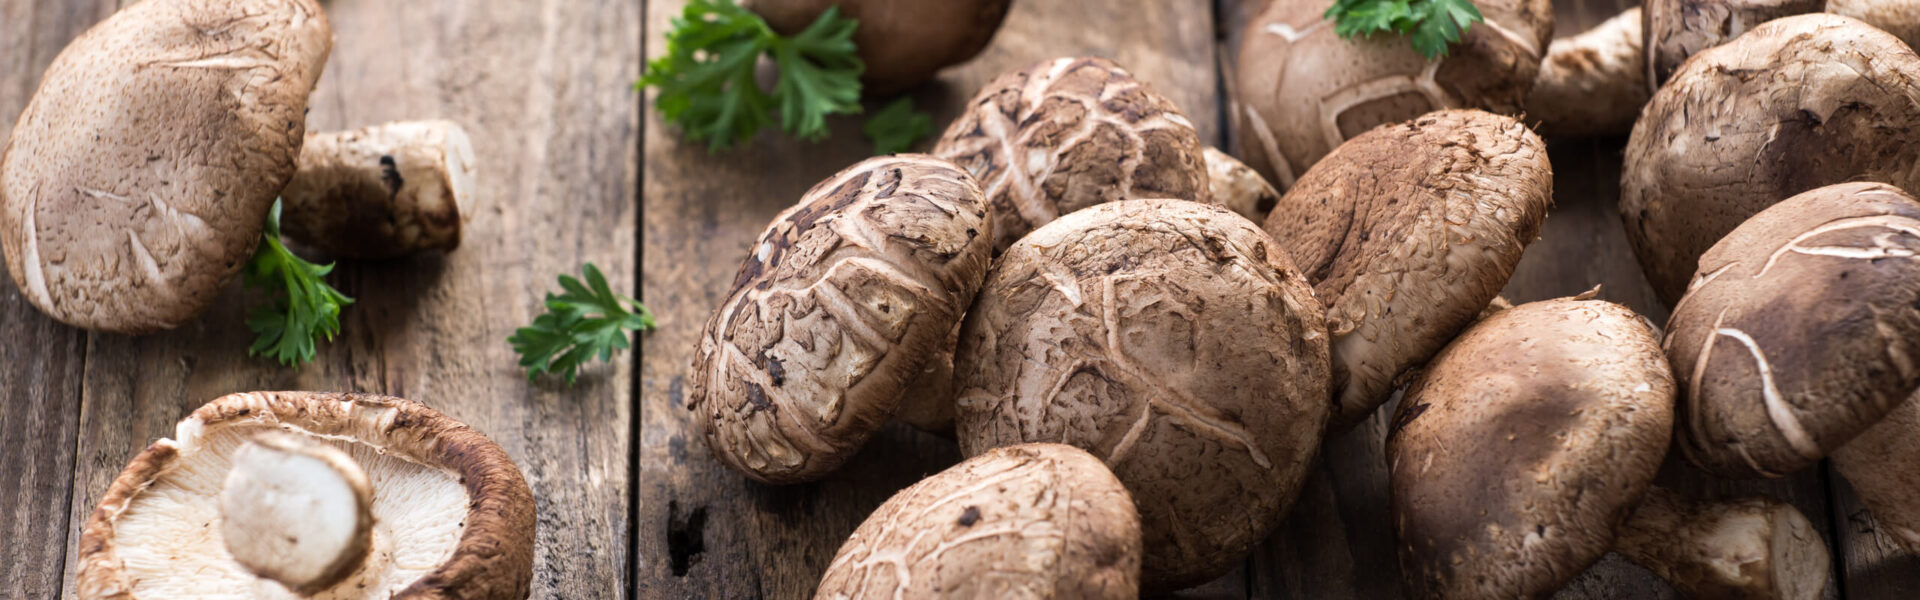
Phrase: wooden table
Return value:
(576, 169)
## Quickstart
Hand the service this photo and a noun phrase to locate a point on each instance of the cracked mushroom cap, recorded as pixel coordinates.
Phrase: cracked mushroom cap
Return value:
(1795, 104)
(1524, 447)
(1800, 330)
(1069, 133)
(138, 178)
(903, 43)
(1029, 521)
(452, 516)
(844, 300)
(1302, 90)
(1175, 341)
(1406, 233)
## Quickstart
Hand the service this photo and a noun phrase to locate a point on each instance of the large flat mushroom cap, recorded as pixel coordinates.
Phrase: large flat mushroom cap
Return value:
(843, 301)
(1800, 330)
(1524, 446)
(138, 178)
(453, 517)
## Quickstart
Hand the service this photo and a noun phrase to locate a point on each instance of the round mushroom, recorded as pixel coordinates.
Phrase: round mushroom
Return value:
(382, 192)
(139, 176)
(1069, 133)
(1408, 231)
(1175, 341)
(1880, 464)
(1238, 187)
(1798, 332)
(1675, 30)
(1302, 90)
(903, 42)
(1519, 452)
(1753, 548)
(844, 300)
(1036, 521)
(451, 515)
(1795, 104)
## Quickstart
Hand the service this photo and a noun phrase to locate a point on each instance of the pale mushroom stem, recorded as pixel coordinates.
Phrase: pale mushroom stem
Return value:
(382, 192)
(297, 511)
(1594, 83)
(1757, 548)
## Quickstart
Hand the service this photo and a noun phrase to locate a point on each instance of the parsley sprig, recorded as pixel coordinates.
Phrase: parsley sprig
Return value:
(896, 127)
(303, 308)
(588, 320)
(1433, 24)
(706, 80)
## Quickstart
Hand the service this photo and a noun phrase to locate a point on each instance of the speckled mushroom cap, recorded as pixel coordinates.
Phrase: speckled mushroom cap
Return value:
(1408, 231)
(903, 43)
(1674, 30)
(844, 299)
(1175, 341)
(1795, 104)
(1068, 133)
(138, 178)
(1029, 521)
(1523, 447)
(453, 517)
(1302, 90)
(1799, 331)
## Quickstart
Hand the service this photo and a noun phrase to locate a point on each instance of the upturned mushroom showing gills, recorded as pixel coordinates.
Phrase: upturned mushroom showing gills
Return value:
(138, 178)
(313, 495)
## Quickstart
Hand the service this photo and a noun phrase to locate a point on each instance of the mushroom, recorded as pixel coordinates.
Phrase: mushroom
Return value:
(1898, 17)
(1034, 521)
(1880, 464)
(1406, 232)
(451, 516)
(382, 192)
(1795, 104)
(1238, 187)
(844, 299)
(1302, 90)
(902, 42)
(1522, 447)
(1175, 341)
(1069, 133)
(1676, 30)
(1592, 84)
(138, 178)
(1799, 330)
(1752, 548)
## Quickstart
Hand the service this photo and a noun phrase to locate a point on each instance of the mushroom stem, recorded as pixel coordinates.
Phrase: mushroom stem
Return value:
(1592, 84)
(382, 192)
(1748, 548)
(1238, 187)
(297, 511)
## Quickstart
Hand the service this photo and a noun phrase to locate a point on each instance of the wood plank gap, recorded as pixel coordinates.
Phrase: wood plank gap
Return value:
(636, 408)
(1837, 522)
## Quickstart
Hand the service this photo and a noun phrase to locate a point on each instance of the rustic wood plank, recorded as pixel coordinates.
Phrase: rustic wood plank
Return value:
(543, 89)
(1875, 567)
(704, 531)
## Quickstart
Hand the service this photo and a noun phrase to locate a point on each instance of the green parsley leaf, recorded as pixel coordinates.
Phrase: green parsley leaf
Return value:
(895, 128)
(1432, 25)
(303, 308)
(706, 79)
(587, 321)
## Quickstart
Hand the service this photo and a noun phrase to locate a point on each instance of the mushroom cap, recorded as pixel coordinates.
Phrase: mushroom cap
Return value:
(845, 298)
(452, 515)
(1675, 30)
(1799, 331)
(1519, 452)
(1175, 341)
(1028, 521)
(138, 178)
(1086, 132)
(1879, 463)
(1238, 187)
(1302, 90)
(1795, 104)
(1898, 17)
(903, 42)
(1406, 233)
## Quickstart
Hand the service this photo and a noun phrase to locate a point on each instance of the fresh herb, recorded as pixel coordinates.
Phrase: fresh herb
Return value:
(1433, 24)
(588, 320)
(304, 308)
(896, 127)
(706, 80)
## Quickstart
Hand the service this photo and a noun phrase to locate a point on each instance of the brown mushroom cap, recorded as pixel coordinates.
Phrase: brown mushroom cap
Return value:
(1302, 90)
(138, 178)
(1029, 521)
(1406, 233)
(1523, 447)
(1898, 17)
(452, 515)
(1085, 131)
(844, 299)
(903, 42)
(1880, 464)
(1238, 187)
(1794, 104)
(1175, 341)
(1799, 331)
(1675, 30)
